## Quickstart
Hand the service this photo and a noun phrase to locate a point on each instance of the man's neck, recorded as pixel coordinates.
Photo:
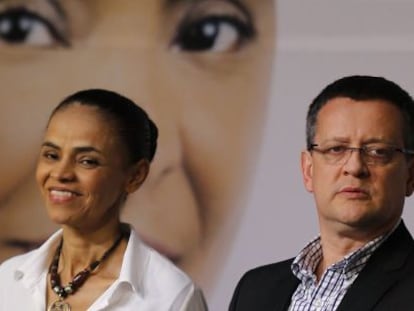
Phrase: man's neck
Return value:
(336, 244)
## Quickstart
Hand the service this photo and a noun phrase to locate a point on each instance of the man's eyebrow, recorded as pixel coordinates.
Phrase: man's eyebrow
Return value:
(57, 6)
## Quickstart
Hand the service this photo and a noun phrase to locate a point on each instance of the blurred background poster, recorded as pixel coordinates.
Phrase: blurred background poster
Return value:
(228, 84)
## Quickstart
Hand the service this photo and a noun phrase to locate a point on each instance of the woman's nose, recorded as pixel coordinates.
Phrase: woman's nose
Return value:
(63, 171)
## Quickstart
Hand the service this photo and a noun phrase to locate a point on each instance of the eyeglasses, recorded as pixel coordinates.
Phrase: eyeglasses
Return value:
(372, 154)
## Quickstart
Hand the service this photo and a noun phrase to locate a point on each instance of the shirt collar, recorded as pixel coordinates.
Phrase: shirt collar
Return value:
(136, 259)
(139, 267)
(148, 272)
(306, 262)
(32, 270)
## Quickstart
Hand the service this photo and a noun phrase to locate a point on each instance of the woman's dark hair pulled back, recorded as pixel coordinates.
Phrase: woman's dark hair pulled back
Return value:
(138, 132)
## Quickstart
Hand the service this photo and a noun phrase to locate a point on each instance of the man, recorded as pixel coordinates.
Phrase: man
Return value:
(359, 165)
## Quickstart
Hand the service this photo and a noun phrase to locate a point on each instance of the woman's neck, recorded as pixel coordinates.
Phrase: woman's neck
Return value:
(82, 247)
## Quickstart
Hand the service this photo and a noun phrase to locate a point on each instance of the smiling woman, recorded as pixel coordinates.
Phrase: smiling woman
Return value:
(96, 151)
(201, 69)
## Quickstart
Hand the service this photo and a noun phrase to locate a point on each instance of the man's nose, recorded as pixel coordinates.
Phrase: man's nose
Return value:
(355, 164)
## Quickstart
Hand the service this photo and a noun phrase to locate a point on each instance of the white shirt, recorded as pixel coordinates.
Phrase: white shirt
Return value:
(147, 282)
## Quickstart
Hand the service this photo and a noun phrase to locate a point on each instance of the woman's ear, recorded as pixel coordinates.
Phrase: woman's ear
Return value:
(138, 173)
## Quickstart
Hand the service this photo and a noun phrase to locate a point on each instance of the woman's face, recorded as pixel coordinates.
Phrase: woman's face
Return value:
(83, 172)
(200, 68)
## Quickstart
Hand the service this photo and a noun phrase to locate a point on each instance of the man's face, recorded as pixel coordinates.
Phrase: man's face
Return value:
(356, 196)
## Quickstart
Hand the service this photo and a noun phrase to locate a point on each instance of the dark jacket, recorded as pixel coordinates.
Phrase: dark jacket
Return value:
(386, 283)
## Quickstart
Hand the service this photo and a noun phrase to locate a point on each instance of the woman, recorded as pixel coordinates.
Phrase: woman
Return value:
(95, 153)
(201, 68)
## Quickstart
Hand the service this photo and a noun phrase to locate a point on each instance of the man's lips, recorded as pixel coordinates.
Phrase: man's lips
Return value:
(354, 192)
(353, 189)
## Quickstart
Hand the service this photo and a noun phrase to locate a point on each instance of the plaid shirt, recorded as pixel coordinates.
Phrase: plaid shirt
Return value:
(334, 283)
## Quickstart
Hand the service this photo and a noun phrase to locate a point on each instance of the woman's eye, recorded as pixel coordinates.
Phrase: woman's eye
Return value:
(50, 155)
(20, 26)
(88, 163)
(214, 34)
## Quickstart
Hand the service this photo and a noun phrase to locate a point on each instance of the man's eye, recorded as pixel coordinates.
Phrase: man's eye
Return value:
(379, 152)
(20, 26)
(213, 33)
(336, 149)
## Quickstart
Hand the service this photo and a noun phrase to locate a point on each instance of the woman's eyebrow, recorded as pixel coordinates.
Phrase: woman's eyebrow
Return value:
(50, 144)
(78, 149)
(87, 149)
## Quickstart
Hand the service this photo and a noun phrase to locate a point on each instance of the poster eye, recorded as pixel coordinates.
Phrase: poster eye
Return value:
(212, 34)
(19, 26)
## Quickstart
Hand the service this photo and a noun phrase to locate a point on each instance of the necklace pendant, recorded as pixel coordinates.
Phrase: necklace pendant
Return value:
(59, 305)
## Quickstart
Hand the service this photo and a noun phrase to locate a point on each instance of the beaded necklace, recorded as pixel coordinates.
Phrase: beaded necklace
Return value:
(78, 279)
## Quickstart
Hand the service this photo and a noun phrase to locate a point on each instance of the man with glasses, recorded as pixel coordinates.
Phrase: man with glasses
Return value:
(359, 165)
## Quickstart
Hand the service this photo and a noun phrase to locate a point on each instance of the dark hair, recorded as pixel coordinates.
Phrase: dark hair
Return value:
(136, 129)
(364, 88)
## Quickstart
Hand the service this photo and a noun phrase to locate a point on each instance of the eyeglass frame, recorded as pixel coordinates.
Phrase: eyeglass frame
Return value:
(363, 152)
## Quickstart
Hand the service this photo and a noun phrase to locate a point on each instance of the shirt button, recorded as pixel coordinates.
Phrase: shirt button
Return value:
(18, 275)
(317, 303)
(308, 282)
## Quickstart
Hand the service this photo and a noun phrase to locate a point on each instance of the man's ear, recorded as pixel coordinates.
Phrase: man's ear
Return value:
(409, 187)
(307, 170)
(138, 173)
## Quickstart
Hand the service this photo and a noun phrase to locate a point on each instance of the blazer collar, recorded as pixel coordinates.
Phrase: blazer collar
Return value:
(383, 269)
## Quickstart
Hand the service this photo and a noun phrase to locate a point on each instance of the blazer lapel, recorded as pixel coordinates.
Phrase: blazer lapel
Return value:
(383, 269)
(284, 293)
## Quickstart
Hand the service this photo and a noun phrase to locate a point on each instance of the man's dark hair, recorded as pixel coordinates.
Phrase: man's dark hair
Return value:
(137, 131)
(362, 88)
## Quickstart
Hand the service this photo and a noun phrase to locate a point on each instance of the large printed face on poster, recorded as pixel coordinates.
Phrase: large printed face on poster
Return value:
(202, 71)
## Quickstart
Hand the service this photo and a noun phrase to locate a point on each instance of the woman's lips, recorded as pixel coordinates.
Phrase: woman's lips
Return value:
(61, 195)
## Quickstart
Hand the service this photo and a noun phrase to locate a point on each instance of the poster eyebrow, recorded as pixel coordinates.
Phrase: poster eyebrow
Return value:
(57, 6)
(168, 4)
(244, 9)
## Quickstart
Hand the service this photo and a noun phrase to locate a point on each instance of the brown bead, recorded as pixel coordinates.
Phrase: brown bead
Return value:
(80, 278)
